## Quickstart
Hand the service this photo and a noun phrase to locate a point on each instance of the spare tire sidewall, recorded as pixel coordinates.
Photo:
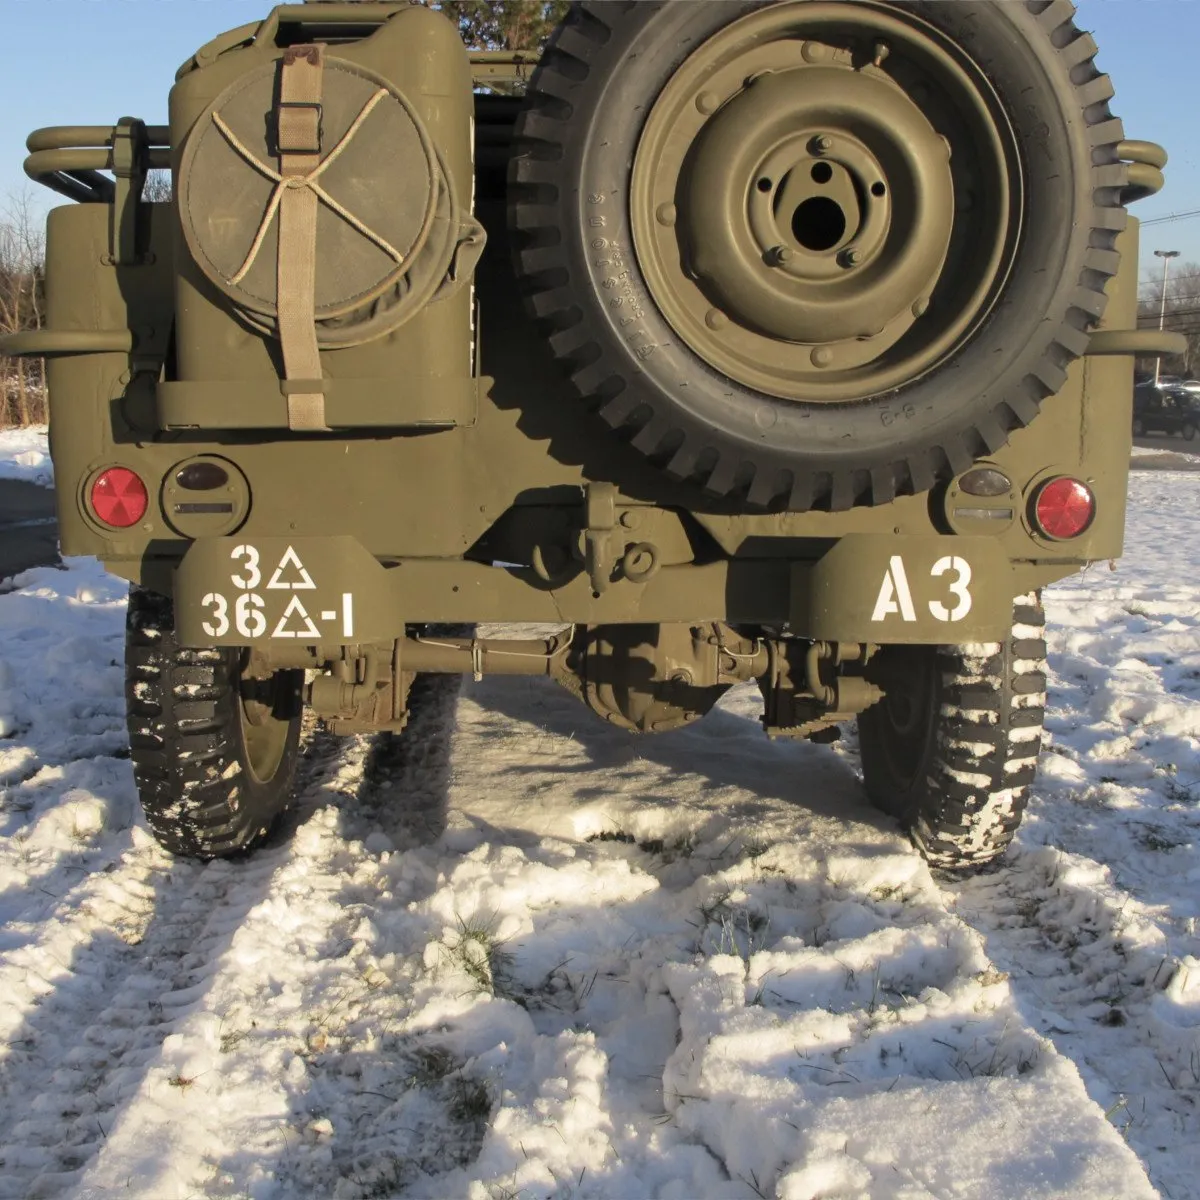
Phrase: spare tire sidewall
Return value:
(992, 376)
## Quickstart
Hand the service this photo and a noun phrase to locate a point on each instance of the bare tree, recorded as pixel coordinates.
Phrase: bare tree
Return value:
(1180, 313)
(158, 187)
(22, 301)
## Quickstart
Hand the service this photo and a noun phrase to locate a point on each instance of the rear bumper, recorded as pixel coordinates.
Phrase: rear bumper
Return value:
(331, 591)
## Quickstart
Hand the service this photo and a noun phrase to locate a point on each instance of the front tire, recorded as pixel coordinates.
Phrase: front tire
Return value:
(214, 753)
(1189, 431)
(952, 749)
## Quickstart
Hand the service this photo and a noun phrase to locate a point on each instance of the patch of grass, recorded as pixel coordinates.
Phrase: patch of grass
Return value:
(432, 1064)
(232, 1039)
(1180, 793)
(890, 891)
(476, 952)
(558, 990)
(471, 1100)
(1158, 838)
(990, 976)
(681, 847)
(382, 1179)
(612, 835)
(754, 848)
(739, 930)
(503, 1191)
(445, 1130)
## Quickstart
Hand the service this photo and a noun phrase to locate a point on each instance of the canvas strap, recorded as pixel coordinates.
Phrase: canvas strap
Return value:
(296, 198)
(299, 131)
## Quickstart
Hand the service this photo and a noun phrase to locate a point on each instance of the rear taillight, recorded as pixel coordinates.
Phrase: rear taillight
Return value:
(1063, 508)
(119, 497)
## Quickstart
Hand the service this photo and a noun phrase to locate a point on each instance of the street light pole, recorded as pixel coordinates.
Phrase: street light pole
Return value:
(1166, 256)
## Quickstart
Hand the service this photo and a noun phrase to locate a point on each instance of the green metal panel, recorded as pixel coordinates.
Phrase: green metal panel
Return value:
(496, 455)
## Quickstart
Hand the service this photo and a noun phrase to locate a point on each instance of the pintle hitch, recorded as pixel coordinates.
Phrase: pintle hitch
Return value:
(807, 694)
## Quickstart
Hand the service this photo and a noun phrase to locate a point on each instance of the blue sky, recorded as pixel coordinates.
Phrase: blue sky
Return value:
(91, 61)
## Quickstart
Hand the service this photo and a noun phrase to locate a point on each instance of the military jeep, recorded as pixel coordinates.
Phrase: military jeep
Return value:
(779, 342)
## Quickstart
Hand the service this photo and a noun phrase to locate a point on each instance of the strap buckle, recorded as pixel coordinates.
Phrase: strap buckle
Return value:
(299, 127)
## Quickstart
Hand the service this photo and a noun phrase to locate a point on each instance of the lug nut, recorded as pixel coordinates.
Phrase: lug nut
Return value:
(777, 256)
(820, 144)
(850, 258)
(821, 356)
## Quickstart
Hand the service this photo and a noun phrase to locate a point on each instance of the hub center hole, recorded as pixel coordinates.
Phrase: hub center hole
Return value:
(818, 223)
(821, 172)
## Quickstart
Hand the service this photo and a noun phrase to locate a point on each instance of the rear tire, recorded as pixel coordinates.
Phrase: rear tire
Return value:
(214, 754)
(953, 748)
(1138, 427)
(1189, 432)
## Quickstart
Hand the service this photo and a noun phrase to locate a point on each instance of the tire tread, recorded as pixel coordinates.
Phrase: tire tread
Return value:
(182, 716)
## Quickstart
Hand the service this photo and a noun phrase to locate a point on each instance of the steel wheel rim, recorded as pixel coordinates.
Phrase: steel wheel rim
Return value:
(907, 708)
(826, 258)
(264, 736)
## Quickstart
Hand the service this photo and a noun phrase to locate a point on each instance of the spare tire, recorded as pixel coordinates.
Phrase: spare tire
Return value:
(817, 253)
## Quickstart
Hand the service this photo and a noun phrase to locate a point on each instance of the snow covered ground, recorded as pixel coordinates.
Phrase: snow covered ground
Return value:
(1169, 454)
(25, 455)
(519, 953)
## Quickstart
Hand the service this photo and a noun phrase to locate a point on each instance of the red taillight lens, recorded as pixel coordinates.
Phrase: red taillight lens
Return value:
(119, 497)
(1063, 508)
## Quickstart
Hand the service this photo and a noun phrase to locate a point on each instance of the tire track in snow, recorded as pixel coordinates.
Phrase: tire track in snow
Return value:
(102, 982)
(686, 966)
(1093, 913)
(234, 1078)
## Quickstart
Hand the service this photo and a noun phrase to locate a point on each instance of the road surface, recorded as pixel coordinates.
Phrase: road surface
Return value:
(28, 528)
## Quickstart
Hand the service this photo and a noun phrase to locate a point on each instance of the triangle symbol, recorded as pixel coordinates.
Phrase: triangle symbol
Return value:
(301, 579)
(297, 610)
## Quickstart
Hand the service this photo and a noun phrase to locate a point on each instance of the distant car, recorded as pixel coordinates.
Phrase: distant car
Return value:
(1174, 408)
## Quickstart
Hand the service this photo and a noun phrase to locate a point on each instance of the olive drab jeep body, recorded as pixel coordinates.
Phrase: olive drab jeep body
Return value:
(789, 343)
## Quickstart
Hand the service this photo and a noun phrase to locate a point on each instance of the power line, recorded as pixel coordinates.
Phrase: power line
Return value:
(1171, 314)
(1185, 318)
(1154, 282)
(1182, 216)
(1148, 302)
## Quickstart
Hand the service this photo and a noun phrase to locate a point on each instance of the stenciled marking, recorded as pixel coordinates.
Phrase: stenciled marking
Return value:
(295, 610)
(896, 598)
(291, 559)
(249, 616)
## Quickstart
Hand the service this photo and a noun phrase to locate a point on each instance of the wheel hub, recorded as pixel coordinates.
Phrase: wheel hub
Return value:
(797, 201)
